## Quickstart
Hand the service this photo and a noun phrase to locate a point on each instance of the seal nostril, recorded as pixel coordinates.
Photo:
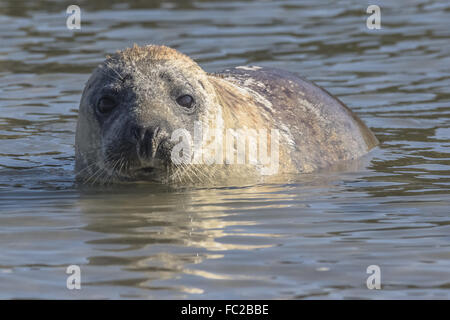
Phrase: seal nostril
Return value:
(147, 136)
(147, 141)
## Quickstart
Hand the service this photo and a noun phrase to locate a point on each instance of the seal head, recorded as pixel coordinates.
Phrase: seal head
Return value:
(130, 106)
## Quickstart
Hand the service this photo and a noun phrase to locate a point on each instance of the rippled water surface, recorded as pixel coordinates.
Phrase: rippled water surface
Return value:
(310, 236)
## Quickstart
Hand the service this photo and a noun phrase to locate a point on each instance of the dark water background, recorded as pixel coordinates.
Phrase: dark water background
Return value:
(311, 236)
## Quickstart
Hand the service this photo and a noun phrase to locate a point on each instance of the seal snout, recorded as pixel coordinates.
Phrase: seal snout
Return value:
(148, 141)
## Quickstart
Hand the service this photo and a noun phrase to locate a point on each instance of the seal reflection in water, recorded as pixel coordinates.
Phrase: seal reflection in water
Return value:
(137, 98)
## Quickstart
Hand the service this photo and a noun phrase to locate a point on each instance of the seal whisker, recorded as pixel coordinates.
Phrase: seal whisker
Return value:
(175, 173)
(179, 169)
(110, 76)
(185, 172)
(199, 169)
(191, 170)
(122, 161)
(90, 166)
(190, 173)
(100, 170)
(114, 174)
(110, 163)
(108, 64)
(110, 176)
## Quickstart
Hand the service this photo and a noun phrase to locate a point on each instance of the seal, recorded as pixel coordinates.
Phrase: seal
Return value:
(151, 113)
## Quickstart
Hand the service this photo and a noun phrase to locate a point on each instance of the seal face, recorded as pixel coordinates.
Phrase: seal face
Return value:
(136, 102)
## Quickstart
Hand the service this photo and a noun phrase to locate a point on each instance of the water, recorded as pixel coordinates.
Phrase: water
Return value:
(310, 236)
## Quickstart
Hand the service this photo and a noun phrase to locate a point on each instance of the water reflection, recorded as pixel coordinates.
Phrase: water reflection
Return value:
(300, 237)
(136, 229)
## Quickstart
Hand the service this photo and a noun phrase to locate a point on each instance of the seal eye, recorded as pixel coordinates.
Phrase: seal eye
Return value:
(106, 104)
(186, 101)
